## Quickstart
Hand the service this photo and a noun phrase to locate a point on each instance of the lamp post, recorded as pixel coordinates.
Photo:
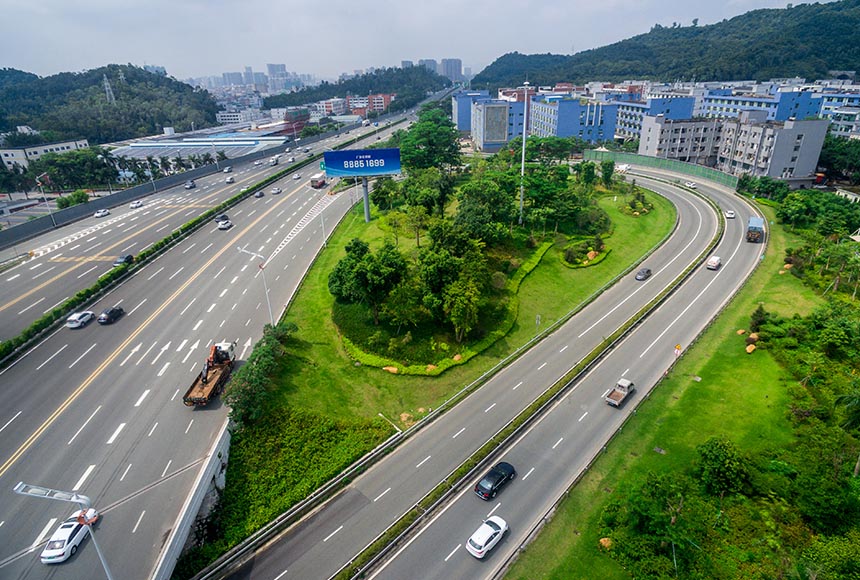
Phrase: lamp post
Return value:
(262, 267)
(215, 155)
(71, 497)
(523, 159)
(42, 191)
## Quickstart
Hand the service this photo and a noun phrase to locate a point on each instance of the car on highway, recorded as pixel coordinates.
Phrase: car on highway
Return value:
(714, 263)
(190, 184)
(487, 536)
(225, 225)
(222, 217)
(258, 162)
(123, 260)
(102, 213)
(291, 160)
(136, 204)
(276, 190)
(306, 149)
(297, 176)
(643, 274)
(730, 214)
(228, 169)
(244, 189)
(259, 194)
(65, 540)
(494, 480)
(79, 319)
(110, 315)
(691, 184)
(230, 180)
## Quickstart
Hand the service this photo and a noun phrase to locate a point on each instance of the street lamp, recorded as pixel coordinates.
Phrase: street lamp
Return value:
(42, 191)
(523, 159)
(110, 187)
(67, 496)
(262, 267)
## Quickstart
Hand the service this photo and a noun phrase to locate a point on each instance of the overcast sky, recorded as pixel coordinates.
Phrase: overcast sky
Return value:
(192, 38)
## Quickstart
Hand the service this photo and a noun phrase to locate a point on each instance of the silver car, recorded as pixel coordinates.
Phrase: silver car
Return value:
(65, 541)
(79, 319)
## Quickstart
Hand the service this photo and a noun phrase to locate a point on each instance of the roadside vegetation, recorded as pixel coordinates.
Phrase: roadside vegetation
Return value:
(387, 293)
(739, 466)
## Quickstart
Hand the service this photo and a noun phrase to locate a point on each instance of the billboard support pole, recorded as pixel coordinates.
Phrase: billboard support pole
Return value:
(366, 200)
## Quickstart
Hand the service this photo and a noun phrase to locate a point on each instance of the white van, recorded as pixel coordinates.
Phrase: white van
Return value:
(714, 263)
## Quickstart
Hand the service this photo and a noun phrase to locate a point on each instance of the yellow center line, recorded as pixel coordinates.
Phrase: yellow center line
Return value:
(116, 353)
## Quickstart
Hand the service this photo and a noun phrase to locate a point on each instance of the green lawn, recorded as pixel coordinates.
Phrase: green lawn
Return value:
(321, 377)
(716, 389)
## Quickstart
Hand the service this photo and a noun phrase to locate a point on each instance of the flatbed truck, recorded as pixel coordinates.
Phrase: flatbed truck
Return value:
(211, 380)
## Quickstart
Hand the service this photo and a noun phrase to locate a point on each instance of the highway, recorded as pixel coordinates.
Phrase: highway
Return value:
(326, 541)
(98, 410)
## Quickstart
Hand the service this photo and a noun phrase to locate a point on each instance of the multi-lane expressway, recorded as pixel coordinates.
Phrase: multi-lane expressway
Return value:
(98, 410)
(555, 450)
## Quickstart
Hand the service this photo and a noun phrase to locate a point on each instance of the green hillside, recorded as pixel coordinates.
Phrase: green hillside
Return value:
(806, 40)
(74, 105)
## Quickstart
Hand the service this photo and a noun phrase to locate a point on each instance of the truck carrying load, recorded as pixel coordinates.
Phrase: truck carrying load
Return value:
(755, 230)
(318, 180)
(211, 380)
(617, 395)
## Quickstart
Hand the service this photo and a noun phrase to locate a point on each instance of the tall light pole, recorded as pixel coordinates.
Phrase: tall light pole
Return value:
(262, 267)
(42, 191)
(523, 159)
(71, 497)
(215, 154)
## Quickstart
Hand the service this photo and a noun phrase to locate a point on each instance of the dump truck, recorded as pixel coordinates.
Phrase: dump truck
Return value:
(755, 230)
(617, 395)
(212, 378)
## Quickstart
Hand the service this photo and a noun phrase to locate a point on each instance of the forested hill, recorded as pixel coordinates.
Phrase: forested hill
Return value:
(806, 40)
(75, 106)
(411, 85)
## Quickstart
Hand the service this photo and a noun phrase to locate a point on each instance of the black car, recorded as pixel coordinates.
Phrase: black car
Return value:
(643, 274)
(497, 477)
(123, 260)
(110, 315)
(221, 218)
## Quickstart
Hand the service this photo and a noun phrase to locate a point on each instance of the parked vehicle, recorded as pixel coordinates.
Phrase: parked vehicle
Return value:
(714, 263)
(487, 536)
(102, 213)
(755, 230)
(211, 380)
(643, 274)
(65, 540)
(110, 315)
(494, 480)
(620, 392)
(79, 319)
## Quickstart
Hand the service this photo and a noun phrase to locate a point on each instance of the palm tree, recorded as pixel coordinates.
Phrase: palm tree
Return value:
(178, 163)
(851, 403)
(208, 159)
(164, 161)
(221, 156)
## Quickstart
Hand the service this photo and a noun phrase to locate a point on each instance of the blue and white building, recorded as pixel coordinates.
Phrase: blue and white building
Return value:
(558, 116)
(495, 122)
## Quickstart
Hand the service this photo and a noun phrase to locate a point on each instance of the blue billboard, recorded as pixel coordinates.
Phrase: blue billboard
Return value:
(362, 162)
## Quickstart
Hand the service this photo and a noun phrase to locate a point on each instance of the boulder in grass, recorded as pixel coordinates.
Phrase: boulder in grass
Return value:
(750, 348)
(392, 370)
(606, 543)
(741, 331)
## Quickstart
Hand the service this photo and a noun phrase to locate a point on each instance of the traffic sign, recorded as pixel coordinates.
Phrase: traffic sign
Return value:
(322, 165)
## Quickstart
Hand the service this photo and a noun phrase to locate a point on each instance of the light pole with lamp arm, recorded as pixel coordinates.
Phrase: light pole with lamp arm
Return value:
(523, 159)
(262, 267)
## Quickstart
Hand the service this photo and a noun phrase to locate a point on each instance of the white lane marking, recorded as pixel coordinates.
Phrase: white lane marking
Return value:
(189, 426)
(78, 432)
(196, 326)
(37, 265)
(176, 273)
(381, 494)
(83, 478)
(223, 322)
(10, 421)
(138, 521)
(527, 474)
(52, 356)
(144, 354)
(281, 575)
(151, 431)
(233, 281)
(156, 273)
(82, 356)
(142, 397)
(124, 473)
(488, 408)
(190, 350)
(174, 395)
(206, 248)
(211, 308)
(12, 278)
(219, 272)
(74, 247)
(187, 307)
(166, 467)
(116, 434)
(625, 372)
(454, 551)
(181, 346)
(189, 247)
(224, 291)
(161, 352)
(606, 392)
(32, 305)
(328, 537)
(131, 354)
(564, 348)
(492, 511)
(540, 367)
(583, 416)
(423, 461)
(162, 227)
(138, 306)
(45, 531)
(518, 385)
(234, 306)
(458, 432)
(243, 268)
(558, 442)
(43, 272)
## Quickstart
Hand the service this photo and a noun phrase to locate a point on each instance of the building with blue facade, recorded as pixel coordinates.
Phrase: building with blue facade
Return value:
(495, 122)
(556, 116)
(630, 113)
(461, 107)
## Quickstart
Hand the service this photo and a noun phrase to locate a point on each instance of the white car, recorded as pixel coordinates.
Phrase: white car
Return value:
(79, 319)
(229, 180)
(730, 214)
(65, 541)
(487, 536)
(691, 184)
(714, 263)
(225, 225)
(228, 169)
(297, 176)
(102, 213)
(276, 190)
(258, 162)
(136, 204)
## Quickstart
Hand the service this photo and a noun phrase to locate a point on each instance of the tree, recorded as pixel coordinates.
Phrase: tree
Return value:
(850, 403)
(588, 173)
(430, 142)
(721, 467)
(362, 276)
(416, 220)
(460, 304)
(607, 168)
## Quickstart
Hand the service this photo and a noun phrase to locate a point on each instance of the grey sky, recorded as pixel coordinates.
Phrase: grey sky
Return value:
(324, 37)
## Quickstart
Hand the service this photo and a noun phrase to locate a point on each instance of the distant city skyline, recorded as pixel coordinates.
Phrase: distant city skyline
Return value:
(196, 38)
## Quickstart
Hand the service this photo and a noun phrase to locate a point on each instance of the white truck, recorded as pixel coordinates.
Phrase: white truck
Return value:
(617, 395)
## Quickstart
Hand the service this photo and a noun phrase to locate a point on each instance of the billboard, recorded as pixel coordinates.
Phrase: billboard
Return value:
(362, 162)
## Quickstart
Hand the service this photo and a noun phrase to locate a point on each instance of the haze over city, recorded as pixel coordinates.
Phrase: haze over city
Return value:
(194, 38)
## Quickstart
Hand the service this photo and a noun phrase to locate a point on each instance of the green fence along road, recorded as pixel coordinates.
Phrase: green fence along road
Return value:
(690, 169)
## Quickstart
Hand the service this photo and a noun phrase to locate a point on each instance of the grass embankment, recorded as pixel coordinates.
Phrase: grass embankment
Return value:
(739, 396)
